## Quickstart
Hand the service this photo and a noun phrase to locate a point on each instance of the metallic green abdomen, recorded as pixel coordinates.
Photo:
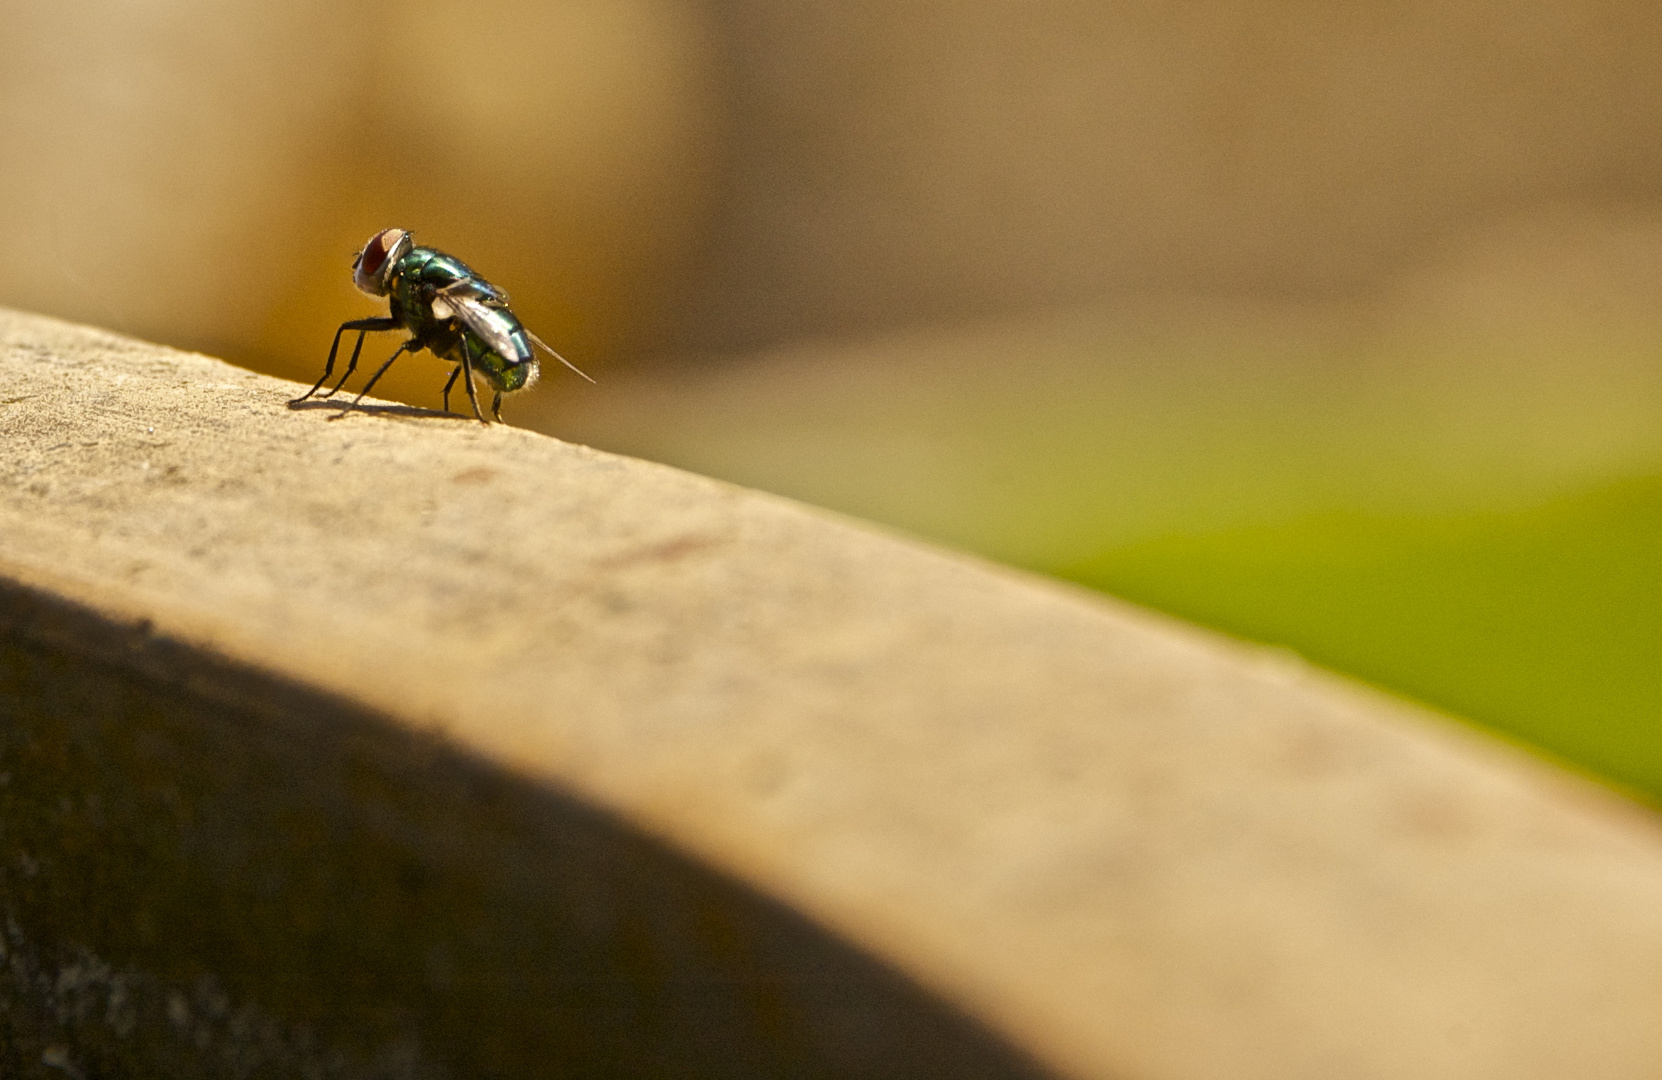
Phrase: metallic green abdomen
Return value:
(506, 374)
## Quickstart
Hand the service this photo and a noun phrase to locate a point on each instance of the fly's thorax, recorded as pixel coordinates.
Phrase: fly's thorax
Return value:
(405, 307)
(435, 269)
(418, 287)
(460, 316)
(407, 294)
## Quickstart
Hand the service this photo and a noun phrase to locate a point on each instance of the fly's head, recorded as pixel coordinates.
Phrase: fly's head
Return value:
(372, 269)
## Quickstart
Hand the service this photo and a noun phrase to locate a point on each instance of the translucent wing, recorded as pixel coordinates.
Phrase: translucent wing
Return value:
(544, 346)
(491, 324)
(483, 309)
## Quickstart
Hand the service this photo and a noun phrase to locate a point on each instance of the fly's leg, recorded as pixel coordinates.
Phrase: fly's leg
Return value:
(455, 371)
(409, 346)
(467, 371)
(496, 408)
(363, 326)
(351, 366)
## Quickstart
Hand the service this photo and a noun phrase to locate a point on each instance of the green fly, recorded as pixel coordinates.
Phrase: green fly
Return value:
(447, 309)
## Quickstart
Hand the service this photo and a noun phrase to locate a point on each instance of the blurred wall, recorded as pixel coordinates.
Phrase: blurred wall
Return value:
(201, 172)
(715, 175)
(915, 161)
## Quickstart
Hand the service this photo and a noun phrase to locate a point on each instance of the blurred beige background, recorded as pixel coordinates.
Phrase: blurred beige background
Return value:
(893, 163)
(716, 176)
(988, 271)
(202, 172)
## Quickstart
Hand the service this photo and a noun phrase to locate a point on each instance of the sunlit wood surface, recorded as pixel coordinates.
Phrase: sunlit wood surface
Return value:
(467, 690)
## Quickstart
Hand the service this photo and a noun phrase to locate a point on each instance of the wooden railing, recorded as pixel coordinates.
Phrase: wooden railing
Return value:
(393, 744)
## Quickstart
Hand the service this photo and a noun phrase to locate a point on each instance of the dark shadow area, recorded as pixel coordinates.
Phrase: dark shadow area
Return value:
(209, 871)
(339, 406)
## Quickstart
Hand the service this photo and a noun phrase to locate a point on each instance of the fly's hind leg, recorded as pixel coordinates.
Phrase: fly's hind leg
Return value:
(455, 371)
(472, 392)
(363, 326)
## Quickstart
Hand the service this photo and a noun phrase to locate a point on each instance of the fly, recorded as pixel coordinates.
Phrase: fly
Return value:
(447, 309)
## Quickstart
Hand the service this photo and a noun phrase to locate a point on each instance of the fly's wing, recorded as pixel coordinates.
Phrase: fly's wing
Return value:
(543, 345)
(487, 323)
(475, 288)
(474, 301)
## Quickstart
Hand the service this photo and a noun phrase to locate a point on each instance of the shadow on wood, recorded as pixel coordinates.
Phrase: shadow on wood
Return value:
(206, 871)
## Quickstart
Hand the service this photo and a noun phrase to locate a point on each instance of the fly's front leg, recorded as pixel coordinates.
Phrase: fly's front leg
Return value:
(363, 326)
(496, 407)
(409, 346)
(351, 366)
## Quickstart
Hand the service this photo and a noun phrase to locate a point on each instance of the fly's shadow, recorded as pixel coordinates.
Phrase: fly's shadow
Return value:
(339, 408)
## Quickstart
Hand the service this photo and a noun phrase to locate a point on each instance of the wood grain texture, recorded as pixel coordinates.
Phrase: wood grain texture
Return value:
(1120, 845)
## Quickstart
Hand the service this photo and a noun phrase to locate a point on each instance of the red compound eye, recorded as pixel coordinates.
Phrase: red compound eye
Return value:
(369, 270)
(375, 253)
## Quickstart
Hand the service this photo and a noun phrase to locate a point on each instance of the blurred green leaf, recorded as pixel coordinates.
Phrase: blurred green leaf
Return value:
(1545, 624)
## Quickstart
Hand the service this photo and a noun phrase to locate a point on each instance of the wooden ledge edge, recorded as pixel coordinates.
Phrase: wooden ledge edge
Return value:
(1132, 848)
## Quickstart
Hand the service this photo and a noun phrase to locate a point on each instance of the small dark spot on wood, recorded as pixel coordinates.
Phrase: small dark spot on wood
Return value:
(1312, 752)
(667, 551)
(1436, 816)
